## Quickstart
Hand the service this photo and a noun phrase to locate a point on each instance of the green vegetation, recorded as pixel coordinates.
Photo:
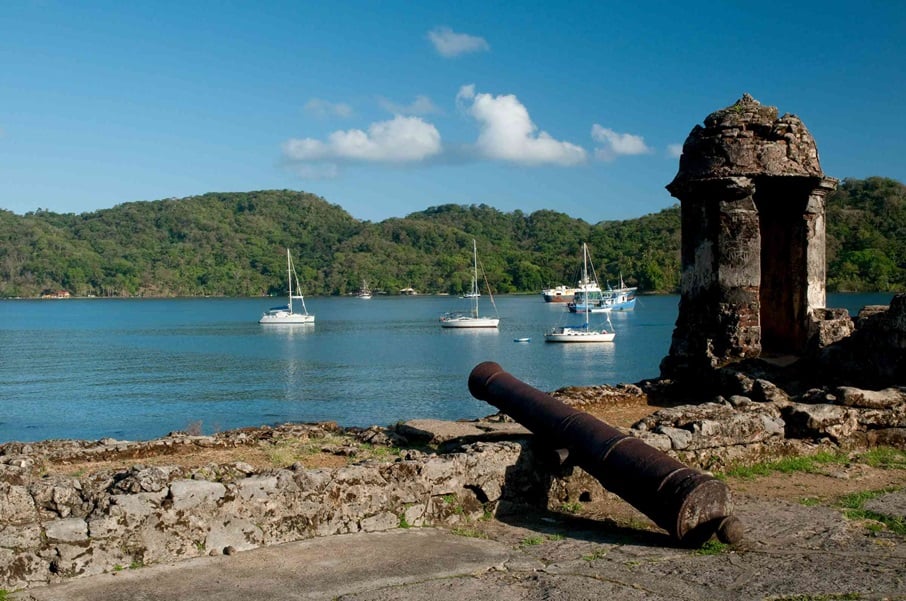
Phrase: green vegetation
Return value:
(287, 450)
(530, 541)
(231, 244)
(468, 532)
(712, 547)
(853, 504)
(883, 457)
(571, 507)
(788, 465)
(866, 236)
(598, 553)
(854, 508)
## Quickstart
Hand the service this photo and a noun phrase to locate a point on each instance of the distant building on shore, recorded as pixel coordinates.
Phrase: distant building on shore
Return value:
(55, 294)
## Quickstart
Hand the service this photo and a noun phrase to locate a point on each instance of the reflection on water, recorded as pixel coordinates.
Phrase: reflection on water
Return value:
(137, 369)
(589, 356)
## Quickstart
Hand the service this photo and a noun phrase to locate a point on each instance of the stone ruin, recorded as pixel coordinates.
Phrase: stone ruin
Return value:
(758, 367)
(753, 197)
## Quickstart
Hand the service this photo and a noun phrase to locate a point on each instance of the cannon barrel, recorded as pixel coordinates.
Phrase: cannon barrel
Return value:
(688, 504)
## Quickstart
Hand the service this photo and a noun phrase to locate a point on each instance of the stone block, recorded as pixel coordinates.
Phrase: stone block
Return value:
(26, 536)
(380, 522)
(819, 421)
(187, 494)
(679, 438)
(16, 504)
(889, 398)
(67, 530)
(257, 487)
(237, 533)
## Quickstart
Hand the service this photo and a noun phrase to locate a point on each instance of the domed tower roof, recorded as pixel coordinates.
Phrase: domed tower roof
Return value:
(747, 139)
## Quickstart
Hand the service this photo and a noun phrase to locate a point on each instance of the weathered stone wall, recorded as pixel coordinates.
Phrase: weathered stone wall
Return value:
(871, 352)
(753, 236)
(59, 527)
(56, 527)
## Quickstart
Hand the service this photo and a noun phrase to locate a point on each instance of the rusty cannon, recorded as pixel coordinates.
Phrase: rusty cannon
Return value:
(688, 504)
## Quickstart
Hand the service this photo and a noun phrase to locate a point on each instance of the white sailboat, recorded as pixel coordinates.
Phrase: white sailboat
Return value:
(471, 319)
(581, 333)
(285, 314)
(365, 292)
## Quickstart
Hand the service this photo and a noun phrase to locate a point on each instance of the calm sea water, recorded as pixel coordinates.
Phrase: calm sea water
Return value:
(138, 369)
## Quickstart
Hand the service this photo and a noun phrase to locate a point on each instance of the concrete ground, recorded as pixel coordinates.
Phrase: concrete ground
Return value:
(791, 550)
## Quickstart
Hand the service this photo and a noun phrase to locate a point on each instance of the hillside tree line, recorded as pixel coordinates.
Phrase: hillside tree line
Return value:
(233, 244)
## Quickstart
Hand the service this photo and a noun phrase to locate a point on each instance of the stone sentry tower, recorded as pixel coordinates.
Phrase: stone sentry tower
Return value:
(752, 194)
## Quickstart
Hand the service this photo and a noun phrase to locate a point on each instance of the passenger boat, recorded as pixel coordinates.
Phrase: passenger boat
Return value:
(558, 294)
(604, 301)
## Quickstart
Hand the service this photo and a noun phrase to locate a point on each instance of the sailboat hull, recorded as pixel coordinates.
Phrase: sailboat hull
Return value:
(466, 321)
(567, 334)
(283, 317)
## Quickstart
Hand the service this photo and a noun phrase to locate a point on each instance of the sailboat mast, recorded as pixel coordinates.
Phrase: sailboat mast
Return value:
(585, 282)
(289, 280)
(474, 278)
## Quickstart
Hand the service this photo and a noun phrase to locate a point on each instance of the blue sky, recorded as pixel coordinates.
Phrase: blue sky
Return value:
(386, 108)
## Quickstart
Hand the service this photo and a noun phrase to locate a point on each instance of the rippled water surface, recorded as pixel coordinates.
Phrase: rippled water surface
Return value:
(137, 369)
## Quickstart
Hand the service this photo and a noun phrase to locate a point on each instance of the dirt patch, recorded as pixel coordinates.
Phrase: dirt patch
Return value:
(824, 488)
(322, 446)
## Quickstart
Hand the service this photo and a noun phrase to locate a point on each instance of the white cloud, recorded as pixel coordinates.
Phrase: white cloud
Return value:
(422, 105)
(507, 131)
(323, 108)
(616, 144)
(675, 150)
(400, 140)
(450, 44)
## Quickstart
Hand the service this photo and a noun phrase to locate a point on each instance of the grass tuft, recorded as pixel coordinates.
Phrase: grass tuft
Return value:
(712, 547)
(788, 465)
(468, 532)
(854, 508)
(530, 541)
(885, 457)
(573, 507)
(598, 553)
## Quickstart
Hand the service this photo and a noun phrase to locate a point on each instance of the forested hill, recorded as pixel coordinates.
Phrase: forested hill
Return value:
(233, 244)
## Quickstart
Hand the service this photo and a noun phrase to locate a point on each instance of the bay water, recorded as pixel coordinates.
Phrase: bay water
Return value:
(135, 369)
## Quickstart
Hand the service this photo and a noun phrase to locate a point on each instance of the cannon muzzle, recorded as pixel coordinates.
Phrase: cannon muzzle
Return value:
(688, 504)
